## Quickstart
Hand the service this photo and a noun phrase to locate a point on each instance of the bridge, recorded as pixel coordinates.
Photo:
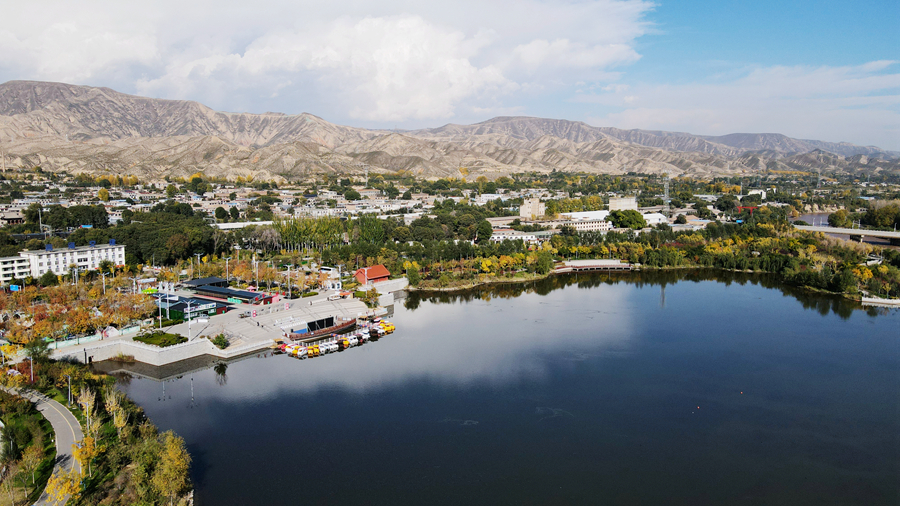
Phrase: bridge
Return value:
(856, 234)
(593, 265)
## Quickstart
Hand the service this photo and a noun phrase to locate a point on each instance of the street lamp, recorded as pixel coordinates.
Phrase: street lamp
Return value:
(198, 263)
(226, 270)
(69, 398)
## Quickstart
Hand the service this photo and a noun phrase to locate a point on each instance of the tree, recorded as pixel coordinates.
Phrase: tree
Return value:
(235, 214)
(31, 459)
(171, 190)
(103, 194)
(64, 485)
(232, 196)
(484, 231)
(37, 349)
(352, 195)
(32, 213)
(627, 219)
(840, 218)
(85, 451)
(170, 478)
(221, 213)
(48, 278)
(681, 219)
(407, 195)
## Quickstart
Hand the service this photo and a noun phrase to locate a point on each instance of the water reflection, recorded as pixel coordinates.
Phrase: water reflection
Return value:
(573, 390)
(821, 302)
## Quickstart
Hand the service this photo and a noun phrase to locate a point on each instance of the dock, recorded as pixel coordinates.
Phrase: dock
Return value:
(593, 265)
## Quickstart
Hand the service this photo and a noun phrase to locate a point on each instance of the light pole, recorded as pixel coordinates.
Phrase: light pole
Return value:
(198, 263)
(189, 319)
(226, 269)
(69, 398)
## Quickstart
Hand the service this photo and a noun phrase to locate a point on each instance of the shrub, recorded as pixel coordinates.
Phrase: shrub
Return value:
(309, 294)
(220, 341)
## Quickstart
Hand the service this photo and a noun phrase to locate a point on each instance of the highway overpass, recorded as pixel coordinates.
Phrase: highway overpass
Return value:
(856, 234)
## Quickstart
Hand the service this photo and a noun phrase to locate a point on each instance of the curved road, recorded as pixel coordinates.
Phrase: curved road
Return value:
(67, 430)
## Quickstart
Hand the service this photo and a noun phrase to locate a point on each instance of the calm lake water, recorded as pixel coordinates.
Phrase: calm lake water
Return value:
(637, 389)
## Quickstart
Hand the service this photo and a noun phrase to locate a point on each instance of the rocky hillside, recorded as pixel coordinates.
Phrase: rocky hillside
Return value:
(98, 130)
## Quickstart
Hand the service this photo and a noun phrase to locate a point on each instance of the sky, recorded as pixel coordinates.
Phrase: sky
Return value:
(825, 70)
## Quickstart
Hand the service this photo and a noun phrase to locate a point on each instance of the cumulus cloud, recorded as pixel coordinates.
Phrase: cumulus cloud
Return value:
(388, 61)
(859, 104)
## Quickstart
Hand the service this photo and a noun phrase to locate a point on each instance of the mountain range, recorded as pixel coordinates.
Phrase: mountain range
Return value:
(63, 127)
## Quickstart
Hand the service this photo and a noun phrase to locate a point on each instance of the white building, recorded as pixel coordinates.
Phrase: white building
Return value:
(623, 204)
(85, 257)
(655, 218)
(13, 268)
(532, 208)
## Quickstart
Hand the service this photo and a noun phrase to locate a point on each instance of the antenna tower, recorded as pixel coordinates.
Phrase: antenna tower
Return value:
(666, 196)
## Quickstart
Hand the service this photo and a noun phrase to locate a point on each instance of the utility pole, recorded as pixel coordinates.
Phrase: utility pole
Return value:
(226, 270)
(189, 319)
(198, 264)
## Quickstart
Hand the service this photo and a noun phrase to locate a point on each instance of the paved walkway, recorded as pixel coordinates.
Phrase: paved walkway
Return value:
(67, 430)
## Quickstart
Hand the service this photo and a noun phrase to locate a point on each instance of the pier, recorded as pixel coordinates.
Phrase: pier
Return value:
(246, 335)
(593, 265)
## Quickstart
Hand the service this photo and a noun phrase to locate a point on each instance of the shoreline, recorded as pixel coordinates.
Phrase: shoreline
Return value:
(470, 286)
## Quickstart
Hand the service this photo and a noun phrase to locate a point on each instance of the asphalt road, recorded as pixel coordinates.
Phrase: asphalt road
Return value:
(67, 430)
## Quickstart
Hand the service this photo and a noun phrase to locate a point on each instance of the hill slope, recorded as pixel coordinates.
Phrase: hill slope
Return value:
(99, 130)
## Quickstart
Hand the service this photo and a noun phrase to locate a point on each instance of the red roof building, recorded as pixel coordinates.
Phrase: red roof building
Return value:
(372, 274)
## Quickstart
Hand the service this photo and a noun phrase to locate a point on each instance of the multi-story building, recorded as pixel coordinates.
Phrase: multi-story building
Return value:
(14, 268)
(532, 208)
(623, 204)
(84, 257)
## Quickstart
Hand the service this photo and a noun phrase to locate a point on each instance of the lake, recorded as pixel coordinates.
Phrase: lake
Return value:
(686, 388)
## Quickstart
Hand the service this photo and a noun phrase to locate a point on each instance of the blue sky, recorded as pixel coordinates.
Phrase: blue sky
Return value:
(823, 70)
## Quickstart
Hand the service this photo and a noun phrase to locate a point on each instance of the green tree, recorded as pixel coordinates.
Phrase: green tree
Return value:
(681, 219)
(407, 195)
(235, 214)
(627, 219)
(483, 232)
(221, 213)
(352, 195)
(839, 218)
(171, 190)
(49, 278)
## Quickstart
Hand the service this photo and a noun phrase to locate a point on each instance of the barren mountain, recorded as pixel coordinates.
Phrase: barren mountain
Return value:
(98, 130)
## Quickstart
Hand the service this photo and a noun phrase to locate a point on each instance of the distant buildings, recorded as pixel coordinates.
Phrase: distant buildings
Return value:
(623, 203)
(532, 208)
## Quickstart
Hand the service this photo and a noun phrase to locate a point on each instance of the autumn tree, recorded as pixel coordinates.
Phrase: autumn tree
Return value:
(31, 459)
(85, 451)
(170, 478)
(63, 486)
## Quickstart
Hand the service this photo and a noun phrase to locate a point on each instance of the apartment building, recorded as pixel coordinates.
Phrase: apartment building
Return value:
(85, 257)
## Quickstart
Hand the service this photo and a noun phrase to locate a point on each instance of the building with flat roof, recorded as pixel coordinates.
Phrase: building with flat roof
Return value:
(59, 261)
(532, 209)
(623, 203)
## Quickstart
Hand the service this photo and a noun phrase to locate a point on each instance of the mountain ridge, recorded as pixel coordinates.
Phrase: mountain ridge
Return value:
(99, 130)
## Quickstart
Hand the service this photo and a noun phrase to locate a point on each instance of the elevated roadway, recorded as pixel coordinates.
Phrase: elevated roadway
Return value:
(856, 234)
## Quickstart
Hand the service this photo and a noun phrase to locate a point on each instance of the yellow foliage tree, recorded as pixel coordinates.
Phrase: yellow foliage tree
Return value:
(62, 486)
(85, 451)
(170, 478)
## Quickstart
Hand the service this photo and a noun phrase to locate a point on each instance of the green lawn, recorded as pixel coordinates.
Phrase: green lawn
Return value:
(161, 339)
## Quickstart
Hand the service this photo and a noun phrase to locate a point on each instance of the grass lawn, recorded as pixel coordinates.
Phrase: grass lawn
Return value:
(161, 339)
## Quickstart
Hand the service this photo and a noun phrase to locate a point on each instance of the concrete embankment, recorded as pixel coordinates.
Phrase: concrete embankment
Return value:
(245, 335)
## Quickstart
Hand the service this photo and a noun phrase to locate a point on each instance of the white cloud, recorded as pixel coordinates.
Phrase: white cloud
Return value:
(859, 104)
(387, 61)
